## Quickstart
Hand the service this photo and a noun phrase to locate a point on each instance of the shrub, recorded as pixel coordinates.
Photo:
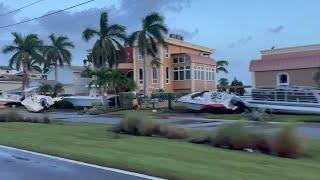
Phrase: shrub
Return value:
(126, 99)
(172, 132)
(287, 143)
(233, 135)
(261, 143)
(259, 115)
(13, 116)
(147, 127)
(46, 120)
(129, 124)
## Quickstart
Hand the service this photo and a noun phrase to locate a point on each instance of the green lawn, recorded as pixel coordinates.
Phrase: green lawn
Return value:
(171, 159)
(274, 117)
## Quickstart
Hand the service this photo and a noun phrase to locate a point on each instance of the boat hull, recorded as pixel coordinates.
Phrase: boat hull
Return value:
(83, 101)
(286, 107)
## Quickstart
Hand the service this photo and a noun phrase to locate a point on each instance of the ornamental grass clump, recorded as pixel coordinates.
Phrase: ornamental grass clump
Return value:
(172, 132)
(287, 143)
(233, 136)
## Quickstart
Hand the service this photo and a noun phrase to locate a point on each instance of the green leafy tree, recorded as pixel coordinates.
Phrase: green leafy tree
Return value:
(57, 89)
(59, 52)
(223, 84)
(152, 32)
(119, 82)
(237, 87)
(108, 42)
(26, 51)
(45, 89)
(101, 80)
(222, 66)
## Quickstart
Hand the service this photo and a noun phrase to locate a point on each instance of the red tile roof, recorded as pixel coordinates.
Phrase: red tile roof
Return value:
(202, 59)
(285, 64)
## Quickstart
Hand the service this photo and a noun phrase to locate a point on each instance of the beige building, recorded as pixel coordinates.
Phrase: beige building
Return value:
(295, 66)
(184, 68)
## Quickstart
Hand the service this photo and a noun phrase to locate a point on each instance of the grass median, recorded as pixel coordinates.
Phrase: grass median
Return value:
(172, 159)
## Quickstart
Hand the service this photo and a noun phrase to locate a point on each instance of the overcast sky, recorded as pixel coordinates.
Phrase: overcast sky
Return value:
(237, 30)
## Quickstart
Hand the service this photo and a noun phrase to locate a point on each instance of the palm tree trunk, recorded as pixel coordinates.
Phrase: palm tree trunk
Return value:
(105, 98)
(144, 57)
(116, 98)
(26, 78)
(56, 72)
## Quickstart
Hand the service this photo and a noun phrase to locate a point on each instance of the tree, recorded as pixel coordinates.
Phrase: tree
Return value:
(57, 89)
(119, 82)
(152, 32)
(108, 43)
(45, 89)
(222, 66)
(26, 51)
(223, 83)
(237, 87)
(101, 81)
(58, 53)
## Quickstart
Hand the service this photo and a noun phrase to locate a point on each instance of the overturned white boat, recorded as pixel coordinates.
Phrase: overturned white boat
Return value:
(212, 100)
(36, 103)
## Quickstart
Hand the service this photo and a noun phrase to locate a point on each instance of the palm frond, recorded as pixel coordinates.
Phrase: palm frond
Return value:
(89, 33)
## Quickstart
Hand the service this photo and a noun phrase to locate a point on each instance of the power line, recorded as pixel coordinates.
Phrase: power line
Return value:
(49, 14)
(16, 10)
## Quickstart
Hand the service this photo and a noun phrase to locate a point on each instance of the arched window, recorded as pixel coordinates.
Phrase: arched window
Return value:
(283, 79)
(140, 76)
(167, 75)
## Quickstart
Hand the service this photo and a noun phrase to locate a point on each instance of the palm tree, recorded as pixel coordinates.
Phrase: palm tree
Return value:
(58, 52)
(316, 77)
(108, 43)
(26, 54)
(223, 83)
(153, 31)
(101, 81)
(222, 66)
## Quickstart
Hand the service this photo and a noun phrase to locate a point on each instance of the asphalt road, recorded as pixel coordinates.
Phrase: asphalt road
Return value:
(22, 165)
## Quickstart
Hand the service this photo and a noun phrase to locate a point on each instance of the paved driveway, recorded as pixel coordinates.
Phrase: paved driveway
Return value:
(22, 165)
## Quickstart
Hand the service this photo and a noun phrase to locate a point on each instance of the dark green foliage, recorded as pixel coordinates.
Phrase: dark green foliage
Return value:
(258, 115)
(162, 96)
(172, 132)
(237, 88)
(63, 105)
(126, 99)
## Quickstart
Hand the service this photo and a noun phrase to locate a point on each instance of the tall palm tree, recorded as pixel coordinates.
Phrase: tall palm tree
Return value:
(58, 53)
(108, 43)
(222, 66)
(152, 32)
(26, 54)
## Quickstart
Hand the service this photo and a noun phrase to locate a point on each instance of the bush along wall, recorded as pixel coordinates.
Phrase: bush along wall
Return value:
(126, 99)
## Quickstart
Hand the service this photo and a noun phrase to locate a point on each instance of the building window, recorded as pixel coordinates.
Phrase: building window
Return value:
(140, 76)
(180, 59)
(283, 79)
(167, 75)
(187, 73)
(154, 75)
(209, 74)
(181, 73)
(176, 74)
(202, 73)
(140, 54)
(166, 52)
